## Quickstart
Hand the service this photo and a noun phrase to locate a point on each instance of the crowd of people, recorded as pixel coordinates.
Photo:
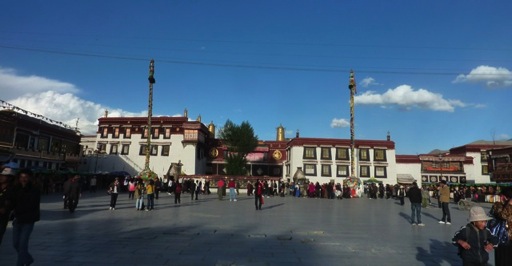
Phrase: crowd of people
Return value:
(20, 200)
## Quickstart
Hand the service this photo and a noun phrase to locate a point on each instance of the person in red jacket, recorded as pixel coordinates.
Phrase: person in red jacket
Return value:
(232, 192)
(258, 194)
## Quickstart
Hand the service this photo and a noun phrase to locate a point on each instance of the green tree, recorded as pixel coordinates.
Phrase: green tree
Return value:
(240, 141)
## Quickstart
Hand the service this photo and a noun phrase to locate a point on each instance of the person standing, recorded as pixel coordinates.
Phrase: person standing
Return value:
(401, 195)
(503, 210)
(66, 186)
(232, 192)
(139, 195)
(177, 193)
(415, 196)
(150, 192)
(5, 198)
(199, 185)
(474, 240)
(444, 198)
(26, 206)
(131, 188)
(114, 189)
(220, 186)
(192, 186)
(258, 194)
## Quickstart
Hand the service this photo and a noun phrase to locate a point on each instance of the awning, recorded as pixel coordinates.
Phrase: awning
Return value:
(404, 179)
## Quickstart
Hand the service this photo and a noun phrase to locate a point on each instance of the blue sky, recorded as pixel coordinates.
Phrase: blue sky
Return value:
(435, 74)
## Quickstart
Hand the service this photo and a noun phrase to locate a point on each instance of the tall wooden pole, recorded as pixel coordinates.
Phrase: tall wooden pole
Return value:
(151, 80)
(352, 88)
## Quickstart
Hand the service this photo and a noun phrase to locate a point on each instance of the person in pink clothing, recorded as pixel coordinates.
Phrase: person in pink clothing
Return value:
(232, 187)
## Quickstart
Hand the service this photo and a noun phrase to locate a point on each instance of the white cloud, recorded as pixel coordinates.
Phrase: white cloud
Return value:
(339, 122)
(406, 97)
(13, 85)
(493, 77)
(55, 100)
(368, 81)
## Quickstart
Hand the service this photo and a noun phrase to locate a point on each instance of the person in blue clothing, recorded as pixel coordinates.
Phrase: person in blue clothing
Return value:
(474, 240)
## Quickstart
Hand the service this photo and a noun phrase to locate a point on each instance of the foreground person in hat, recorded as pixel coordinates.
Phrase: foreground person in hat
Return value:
(474, 240)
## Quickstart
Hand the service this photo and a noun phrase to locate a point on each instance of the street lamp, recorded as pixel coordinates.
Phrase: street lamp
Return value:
(440, 156)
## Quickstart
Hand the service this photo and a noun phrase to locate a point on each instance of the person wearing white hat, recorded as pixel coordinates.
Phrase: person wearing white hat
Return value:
(474, 240)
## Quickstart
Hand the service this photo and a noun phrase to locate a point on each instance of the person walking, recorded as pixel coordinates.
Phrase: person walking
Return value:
(444, 198)
(6, 176)
(26, 206)
(232, 187)
(72, 193)
(192, 187)
(114, 189)
(415, 196)
(258, 194)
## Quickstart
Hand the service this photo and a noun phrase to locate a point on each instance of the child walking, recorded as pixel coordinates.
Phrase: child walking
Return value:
(474, 239)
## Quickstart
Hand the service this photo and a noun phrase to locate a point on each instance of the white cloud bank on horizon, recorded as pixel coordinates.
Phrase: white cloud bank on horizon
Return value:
(55, 100)
(493, 77)
(339, 123)
(407, 98)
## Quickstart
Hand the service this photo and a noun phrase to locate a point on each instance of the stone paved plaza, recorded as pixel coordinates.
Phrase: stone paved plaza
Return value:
(288, 231)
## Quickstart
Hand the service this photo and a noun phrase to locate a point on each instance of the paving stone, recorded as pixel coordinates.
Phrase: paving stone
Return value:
(288, 231)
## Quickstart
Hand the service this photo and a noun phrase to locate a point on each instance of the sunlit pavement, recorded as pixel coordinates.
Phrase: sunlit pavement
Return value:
(288, 231)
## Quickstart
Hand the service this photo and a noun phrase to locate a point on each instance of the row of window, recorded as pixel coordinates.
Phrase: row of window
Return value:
(343, 170)
(343, 154)
(125, 149)
(127, 133)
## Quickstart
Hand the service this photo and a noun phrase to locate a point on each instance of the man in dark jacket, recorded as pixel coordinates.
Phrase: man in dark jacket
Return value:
(26, 200)
(414, 195)
(72, 192)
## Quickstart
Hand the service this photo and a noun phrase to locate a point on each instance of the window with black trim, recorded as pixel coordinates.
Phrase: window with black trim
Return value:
(128, 133)
(125, 150)
(483, 156)
(380, 172)
(310, 169)
(156, 133)
(102, 147)
(379, 155)
(341, 153)
(325, 153)
(154, 150)
(142, 150)
(342, 171)
(309, 153)
(113, 148)
(167, 133)
(165, 150)
(145, 133)
(116, 133)
(364, 155)
(485, 170)
(326, 170)
(364, 171)
(104, 132)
